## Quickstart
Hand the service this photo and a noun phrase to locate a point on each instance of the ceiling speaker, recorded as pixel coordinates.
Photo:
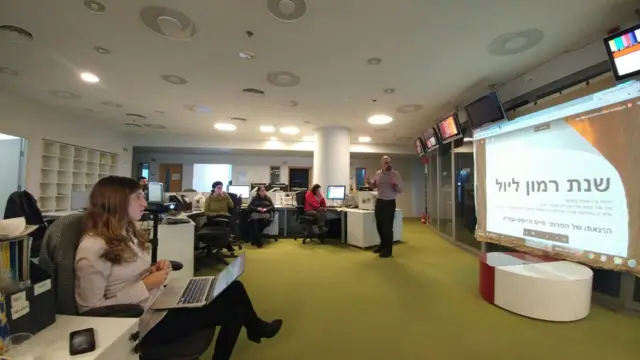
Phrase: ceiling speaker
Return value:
(287, 10)
(15, 34)
(168, 23)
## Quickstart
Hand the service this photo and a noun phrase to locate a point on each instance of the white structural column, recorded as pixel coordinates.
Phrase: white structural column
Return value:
(331, 157)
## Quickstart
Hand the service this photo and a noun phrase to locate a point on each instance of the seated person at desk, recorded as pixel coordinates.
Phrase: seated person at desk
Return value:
(315, 206)
(218, 202)
(260, 208)
(113, 267)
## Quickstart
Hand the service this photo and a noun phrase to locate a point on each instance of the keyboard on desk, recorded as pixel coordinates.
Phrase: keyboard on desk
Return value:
(176, 221)
(195, 292)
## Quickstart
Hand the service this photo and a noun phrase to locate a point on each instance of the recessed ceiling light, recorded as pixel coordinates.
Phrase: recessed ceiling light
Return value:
(273, 138)
(8, 71)
(137, 116)
(364, 139)
(240, 119)
(225, 127)
(380, 119)
(246, 55)
(63, 94)
(174, 79)
(389, 91)
(515, 42)
(15, 34)
(267, 128)
(287, 10)
(407, 109)
(374, 61)
(168, 23)
(307, 122)
(283, 79)
(253, 92)
(111, 104)
(290, 130)
(309, 138)
(89, 77)
(95, 7)
(102, 50)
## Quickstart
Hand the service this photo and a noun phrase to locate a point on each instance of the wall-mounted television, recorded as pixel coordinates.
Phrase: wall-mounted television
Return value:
(420, 147)
(623, 49)
(431, 139)
(449, 128)
(485, 110)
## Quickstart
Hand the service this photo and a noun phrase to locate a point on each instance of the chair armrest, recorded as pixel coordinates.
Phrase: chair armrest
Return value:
(120, 310)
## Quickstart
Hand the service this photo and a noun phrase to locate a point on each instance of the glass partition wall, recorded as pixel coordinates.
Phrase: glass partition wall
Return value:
(451, 197)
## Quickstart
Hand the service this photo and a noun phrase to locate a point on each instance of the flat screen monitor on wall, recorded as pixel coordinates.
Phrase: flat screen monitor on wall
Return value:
(449, 128)
(623, 49)
(431, 139)
(420, 147)
(485, 110)
(563, 182)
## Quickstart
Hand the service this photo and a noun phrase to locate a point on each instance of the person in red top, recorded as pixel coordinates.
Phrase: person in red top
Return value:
(315, 206)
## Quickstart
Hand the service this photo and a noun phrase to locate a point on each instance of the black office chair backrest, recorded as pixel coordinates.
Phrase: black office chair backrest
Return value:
(300, 198)
(237, 203)
(58, 258)
(23, 204)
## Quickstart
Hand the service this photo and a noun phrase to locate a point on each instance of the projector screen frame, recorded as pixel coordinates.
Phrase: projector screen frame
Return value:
(457, 124)
(612, 63)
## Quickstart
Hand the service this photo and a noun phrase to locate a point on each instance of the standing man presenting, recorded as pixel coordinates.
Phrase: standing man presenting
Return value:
(389, 184)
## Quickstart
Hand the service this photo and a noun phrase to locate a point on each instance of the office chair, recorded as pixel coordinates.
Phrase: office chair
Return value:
(23, 204)
(307, 222)
(263, 224)
(57, 257)
(216, 232)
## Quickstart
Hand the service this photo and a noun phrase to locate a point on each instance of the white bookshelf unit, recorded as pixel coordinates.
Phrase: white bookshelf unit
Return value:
(69, 168)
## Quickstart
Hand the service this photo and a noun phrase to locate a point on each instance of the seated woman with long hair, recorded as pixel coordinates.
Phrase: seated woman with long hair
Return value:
(316, 207)
(113, 267)
(260, 208)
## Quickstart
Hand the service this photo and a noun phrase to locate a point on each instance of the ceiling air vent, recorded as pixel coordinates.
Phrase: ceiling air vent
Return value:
(253, 92)
(15, 34)
(287, 10)
(133, 125)
(168, 23)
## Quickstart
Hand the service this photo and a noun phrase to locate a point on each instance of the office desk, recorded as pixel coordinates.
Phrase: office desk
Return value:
(112, 340)
(362, 231)
(58, 215)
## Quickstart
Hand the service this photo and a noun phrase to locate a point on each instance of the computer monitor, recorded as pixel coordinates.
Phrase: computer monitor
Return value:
(336, 192)
(156, 192)
(278, 187)
(243, 191)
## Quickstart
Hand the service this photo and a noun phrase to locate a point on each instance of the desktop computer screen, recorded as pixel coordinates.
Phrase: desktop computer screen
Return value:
(336, 192)
(243, 191)
(156, 192)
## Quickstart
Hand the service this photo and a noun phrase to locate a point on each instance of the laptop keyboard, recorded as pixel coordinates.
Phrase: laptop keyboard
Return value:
(195, 292)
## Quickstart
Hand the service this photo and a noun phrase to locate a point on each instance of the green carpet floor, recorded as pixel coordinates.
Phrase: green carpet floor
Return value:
(341, 303)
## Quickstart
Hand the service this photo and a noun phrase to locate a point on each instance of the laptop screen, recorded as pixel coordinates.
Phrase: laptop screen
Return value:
(230, 274)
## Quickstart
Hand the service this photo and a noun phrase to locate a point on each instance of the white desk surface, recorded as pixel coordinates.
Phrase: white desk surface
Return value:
(52, 343)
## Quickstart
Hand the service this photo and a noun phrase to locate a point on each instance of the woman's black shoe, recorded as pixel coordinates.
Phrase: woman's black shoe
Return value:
(377, 250)
(266, 330)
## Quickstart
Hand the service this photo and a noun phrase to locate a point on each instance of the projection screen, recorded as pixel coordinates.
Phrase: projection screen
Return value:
(565, 181)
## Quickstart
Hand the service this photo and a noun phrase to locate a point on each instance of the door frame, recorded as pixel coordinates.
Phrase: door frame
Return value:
(310, 168)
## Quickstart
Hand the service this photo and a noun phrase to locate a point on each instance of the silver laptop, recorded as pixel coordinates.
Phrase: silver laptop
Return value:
(198, 291)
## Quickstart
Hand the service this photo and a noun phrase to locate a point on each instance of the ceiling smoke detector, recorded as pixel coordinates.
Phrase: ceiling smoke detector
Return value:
(253, 92)
(111, 104)
(15, 34)
(287, 10)
(95, 7)
(389, 91)
(155, 126)
(169, 23)
(61, 94)
(283, 78)
(8, 71)
(174, 79)
(407, 109)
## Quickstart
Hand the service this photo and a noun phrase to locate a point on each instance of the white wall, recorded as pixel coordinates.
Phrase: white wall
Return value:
(10, 165)
(256, 169)
(35, 121)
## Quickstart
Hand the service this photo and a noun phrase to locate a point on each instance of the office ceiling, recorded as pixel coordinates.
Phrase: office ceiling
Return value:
(319, 63)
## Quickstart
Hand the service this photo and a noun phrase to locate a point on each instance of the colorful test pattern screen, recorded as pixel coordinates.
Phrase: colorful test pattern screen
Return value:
(448, 128)
(626, 52)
